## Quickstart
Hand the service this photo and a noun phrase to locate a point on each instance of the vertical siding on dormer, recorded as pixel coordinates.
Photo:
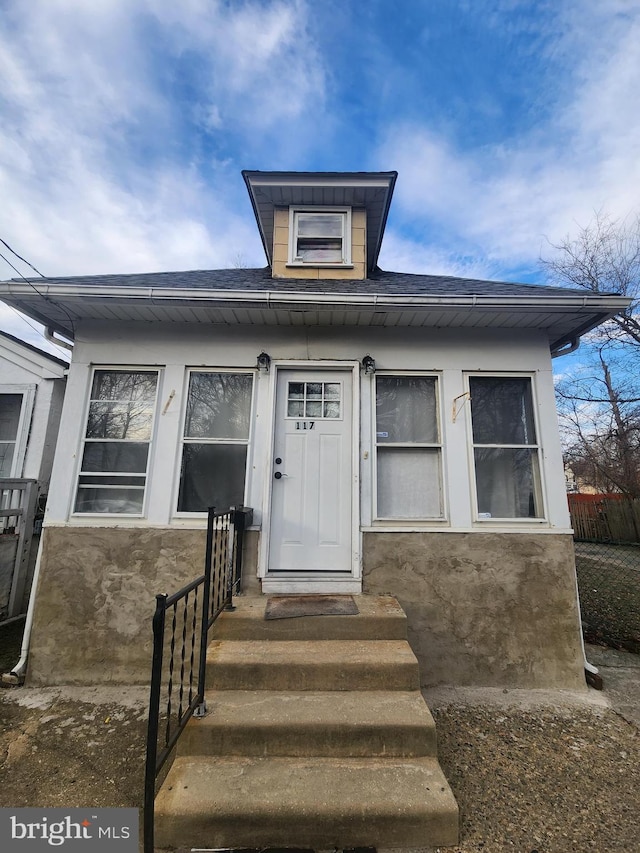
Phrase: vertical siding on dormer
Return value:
(358, 269)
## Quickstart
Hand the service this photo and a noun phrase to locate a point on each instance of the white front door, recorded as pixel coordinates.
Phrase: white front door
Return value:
(312, 473)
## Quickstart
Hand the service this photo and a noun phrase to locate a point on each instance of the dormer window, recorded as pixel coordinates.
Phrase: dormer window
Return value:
(320, 236)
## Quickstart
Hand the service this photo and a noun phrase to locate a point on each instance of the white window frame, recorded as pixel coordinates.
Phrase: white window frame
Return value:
(182, 439)
(439, 446)
(345, 212)
(118, 369)
(537, 470)
(28, 393)
(305, 417)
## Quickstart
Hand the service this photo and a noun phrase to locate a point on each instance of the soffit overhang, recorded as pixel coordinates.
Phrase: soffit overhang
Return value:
(563, 318)
(369, 190)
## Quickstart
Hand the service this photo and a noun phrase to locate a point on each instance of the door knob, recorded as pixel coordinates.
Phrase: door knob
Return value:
(278, 475)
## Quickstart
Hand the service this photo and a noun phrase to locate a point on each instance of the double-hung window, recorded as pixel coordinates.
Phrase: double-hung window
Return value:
(10, 408)
(216, 439)
(115, 455)
(320, 236)
(16, 407)
(505, 448)
(408, 449)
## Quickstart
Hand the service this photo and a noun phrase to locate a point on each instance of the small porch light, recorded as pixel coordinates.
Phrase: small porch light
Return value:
(264, 361)
(369, 364)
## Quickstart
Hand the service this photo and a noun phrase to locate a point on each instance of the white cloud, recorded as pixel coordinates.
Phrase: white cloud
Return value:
(260, 62)
(93, 173)
(510, 196)
(27, 330)
(402, 253)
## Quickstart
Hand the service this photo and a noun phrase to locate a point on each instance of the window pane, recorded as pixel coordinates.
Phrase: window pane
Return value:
(323, 251)
(332, 390)
(506, 481)
(129, 457)
(124, 385)
(212, 475)
(120, 420)
(409, 483)
(219, 405)
(296, 390)
(6, 457)
(109, 500)
(406, 409)
(295, 408)
(10, 405)
(320, 224)
(502, 410)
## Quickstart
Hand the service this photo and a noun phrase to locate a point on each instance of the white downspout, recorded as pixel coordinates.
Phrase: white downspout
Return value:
(59, 342)
(18, 672)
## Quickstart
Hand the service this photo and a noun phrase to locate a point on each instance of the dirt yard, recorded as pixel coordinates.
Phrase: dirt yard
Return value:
(551, 780)
(532, 773)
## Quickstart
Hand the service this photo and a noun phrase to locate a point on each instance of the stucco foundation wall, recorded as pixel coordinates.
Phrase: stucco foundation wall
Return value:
(484, 609)
(96, 598)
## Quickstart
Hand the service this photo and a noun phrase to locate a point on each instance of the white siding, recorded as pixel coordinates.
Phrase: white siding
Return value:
(448, 353)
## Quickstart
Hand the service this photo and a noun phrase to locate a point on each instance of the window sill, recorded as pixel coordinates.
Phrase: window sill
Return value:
(318, 265)
(507, 522)
(407, 523)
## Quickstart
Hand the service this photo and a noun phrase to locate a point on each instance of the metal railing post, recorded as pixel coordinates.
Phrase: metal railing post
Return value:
(154, 721)
(230, 559)
(201, 710)
(222, 572)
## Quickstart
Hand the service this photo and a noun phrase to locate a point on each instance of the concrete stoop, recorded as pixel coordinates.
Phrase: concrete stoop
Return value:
(317, 736)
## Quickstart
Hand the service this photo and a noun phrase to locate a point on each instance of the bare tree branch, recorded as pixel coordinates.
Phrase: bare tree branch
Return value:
(603, 258)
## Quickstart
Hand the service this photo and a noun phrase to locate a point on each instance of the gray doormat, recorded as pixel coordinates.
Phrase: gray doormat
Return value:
(291, 606)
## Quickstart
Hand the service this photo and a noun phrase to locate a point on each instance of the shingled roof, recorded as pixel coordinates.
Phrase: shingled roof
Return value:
(253, 297)
(260, 279)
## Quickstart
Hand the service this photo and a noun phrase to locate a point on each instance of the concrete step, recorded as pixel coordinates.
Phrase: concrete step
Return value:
(294, 723)
(296, 802)
(380, 617)
(312, 665)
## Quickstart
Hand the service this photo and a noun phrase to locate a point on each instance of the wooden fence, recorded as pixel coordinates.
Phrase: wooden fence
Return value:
(605, 518)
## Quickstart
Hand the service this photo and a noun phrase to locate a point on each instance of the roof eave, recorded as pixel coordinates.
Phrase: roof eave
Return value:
(591, 310)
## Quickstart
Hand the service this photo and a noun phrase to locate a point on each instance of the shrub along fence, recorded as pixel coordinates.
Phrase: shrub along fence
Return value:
(607, 543)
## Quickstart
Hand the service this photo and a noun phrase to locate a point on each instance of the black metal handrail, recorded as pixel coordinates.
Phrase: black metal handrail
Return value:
(180, 658)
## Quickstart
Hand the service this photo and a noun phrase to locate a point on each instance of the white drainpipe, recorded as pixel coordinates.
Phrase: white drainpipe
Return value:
(18, 672)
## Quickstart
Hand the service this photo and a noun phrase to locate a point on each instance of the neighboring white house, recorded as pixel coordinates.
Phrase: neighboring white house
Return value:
(31, 393)
(392, 433)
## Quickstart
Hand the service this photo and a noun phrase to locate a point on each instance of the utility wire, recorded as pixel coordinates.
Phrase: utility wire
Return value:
(31, 284)
(36, 329)
(15, 310)
(13, 251)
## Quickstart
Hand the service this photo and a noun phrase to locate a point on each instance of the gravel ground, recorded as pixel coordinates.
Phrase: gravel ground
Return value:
(551, 779)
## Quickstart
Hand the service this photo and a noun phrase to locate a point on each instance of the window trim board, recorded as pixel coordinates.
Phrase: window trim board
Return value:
(292, 259)
(186, 515)
(537, 447)
(28, 392)
(128, 368)
(377, 519)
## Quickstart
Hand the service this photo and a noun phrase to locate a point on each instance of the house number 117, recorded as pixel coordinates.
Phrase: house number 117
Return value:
(305, 424)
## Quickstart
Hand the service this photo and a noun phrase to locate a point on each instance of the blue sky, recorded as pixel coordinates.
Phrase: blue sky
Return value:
(124, 125)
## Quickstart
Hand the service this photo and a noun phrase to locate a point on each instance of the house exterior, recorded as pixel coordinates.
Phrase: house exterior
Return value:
(392, 433)
(31, 393)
